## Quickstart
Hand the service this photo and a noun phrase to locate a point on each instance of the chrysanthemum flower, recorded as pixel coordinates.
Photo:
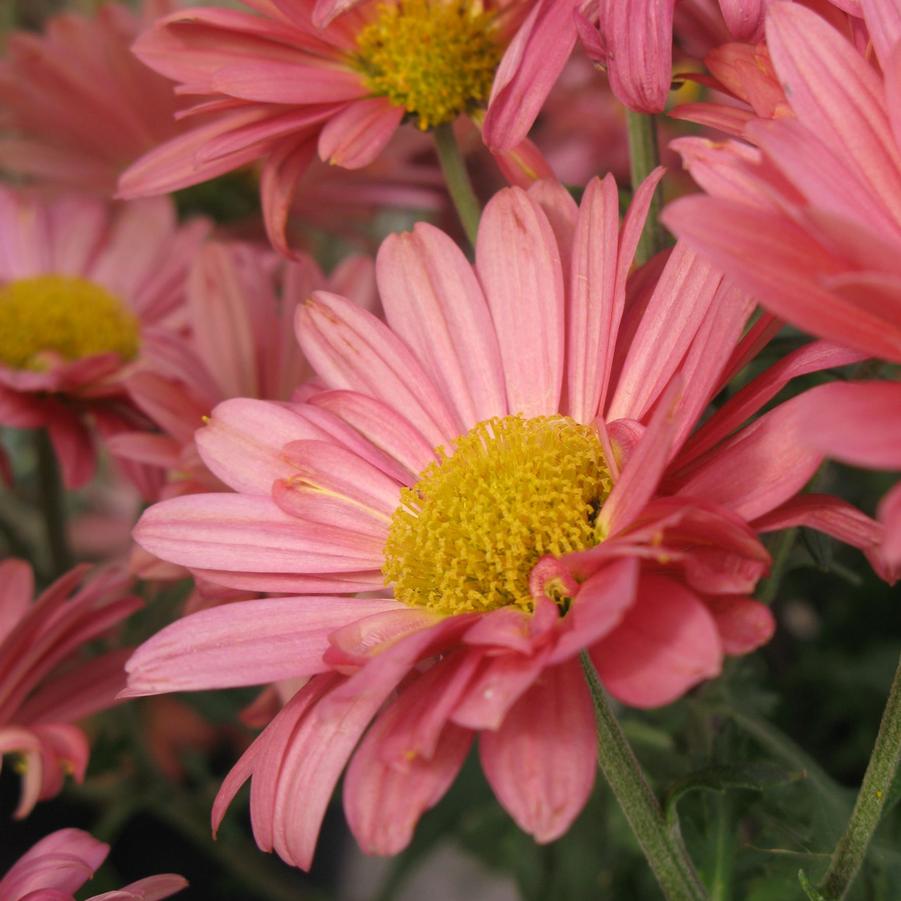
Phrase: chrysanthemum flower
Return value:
(44, 687)
(509, 464)
(810, 219)
(276, 88)
(241, 301)
(62, 862)
(76, 106)
(85, 288)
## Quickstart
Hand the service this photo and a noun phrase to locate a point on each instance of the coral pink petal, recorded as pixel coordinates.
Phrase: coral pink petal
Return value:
(63, 861)
(890, 517)
(238, 533)
(288, 83)
(278, 182)
(73, 448)
(883, 18)
(350, 348)
(667, 643)
(554, 721)
(528, 70)
(16, 593)
(744, 18)
(743, 624)
(246, 643)
(358, 134)
(433, 300)
(518, 264)
(150, 888)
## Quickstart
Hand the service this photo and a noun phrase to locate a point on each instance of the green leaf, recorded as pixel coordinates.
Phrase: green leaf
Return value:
(809, 890)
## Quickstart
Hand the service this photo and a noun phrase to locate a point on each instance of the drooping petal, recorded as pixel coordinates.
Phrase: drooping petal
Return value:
(356, 136)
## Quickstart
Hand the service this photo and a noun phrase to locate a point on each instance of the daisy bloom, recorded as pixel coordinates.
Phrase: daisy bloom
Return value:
(44, 686)
(277, 88)
(62, 862)
(509, 470)
(86, 292)
(251, 295)
(77, 106)
(809, 220)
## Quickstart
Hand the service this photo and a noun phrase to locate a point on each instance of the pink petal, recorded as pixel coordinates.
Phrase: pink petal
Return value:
(16, 593)
(274, 82)
(518, 264)
(743, 624)
(890, 516)
(667, 643)
(281, 172)
(433, 301)
(358, 134)
(553, 722)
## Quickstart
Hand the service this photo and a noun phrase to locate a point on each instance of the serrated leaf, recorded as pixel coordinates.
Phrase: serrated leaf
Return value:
(750, 776)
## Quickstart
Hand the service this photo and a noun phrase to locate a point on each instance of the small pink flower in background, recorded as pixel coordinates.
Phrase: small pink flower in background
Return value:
(241, 303)
(513, 465)
(88, 291)
(62, 862)
(809, 220)
(76, 106)
(277, 87)
(45, 685)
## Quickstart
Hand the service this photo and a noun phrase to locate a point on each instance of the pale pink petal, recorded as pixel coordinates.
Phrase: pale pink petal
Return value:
(150, 888)
(528, 70)
(63, 860)
(667, 643)
(244, 643)
(553, 722)
(356, 136)
(350, 348)
(237, 533)
(433, 301)
(313, 505)
(518, 264)
(743, 624)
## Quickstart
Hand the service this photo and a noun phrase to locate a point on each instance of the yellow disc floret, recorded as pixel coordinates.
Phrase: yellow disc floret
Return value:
(466, 536)
(435, 58)
(68, 316)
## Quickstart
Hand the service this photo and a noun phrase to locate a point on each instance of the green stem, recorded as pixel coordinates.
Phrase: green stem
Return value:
(770, 587)
(53, 503)
(723, 851)
(852, 846)
(663, 847)
(457, 178)
(644, 157)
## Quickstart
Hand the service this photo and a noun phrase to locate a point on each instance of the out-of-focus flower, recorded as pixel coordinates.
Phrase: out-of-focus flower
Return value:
(62, 862)
(76, 106)
(241, 303)
(810, 219)
(514, 458)
(44, 685)
(276, 88)
(87, 291)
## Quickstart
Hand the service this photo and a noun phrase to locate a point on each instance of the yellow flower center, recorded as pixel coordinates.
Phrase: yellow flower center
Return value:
(70, 316)
(466, 536)
(435, 58)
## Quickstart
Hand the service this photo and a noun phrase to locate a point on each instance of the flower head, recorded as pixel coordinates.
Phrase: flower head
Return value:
(80, 308)
(44, 687)
(513, 461)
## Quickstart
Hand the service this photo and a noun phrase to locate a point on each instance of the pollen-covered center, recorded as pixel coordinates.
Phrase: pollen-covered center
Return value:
(466, 536)
(69, 316)
(435, 58)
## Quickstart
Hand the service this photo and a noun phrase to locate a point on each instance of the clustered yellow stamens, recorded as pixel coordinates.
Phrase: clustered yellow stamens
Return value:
(435, 58)
(466, 536)
(70, 316)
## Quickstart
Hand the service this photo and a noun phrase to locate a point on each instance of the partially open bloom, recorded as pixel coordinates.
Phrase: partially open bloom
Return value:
(809, 220)
(44, 685)
(510, 469)
(85, 290)
(241, 302)
(76, 106)
(276, 88)
(62, 862)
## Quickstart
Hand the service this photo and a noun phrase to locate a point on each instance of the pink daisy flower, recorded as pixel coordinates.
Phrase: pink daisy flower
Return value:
(87, 290)
(510, 469)
(277, 88)
(77, 106)
(44, 687)
(252, 295)
(810, 219)
(61, 863)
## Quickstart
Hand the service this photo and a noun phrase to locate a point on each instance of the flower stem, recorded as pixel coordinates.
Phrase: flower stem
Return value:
(644, 157)
(53, 503)
(852, 846)
(769, 588)
(457, 178)
(663, 847)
